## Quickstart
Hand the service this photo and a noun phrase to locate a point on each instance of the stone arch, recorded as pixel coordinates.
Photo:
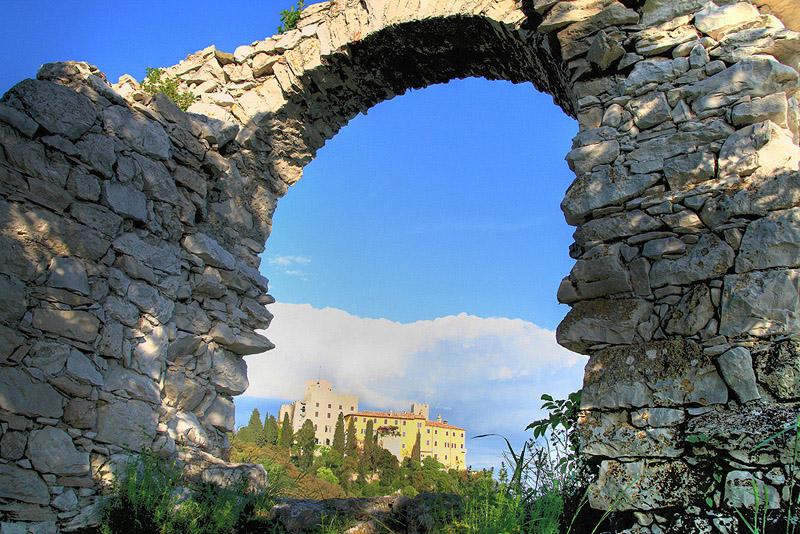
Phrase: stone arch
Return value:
(133, 232)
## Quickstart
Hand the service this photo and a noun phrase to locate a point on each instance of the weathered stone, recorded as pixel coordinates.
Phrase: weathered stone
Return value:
(186, 427)
(81, 413)
(656, 12)
(659, 247)
(82, 369)
(184, 392)
(583, 159)
(83, 185)
(149, 300)
(145, 136)
(779, 370)
(66, 501)
(126, 200)
(130, 424)
(23, 396)
(661, 374)
(657, 417)
(191, 179)
(761, 303)
(658, 41)
(221, 413)
(58, 109)
(608, 434)
(68, 273)
(710, 257)
(717, 21)
(209, 250)
(151, 352)
(98, 151)
(692, 313)
(650, 110)
(13, 303)
(602, 321)
(22, 485)
(74, 324)
(604, 51)
(51, 451)
(643, 485)
(229, 373)
(240, 343)
(764, 148)
(602, 188)
(689, 169)
(131, 384)
(773, 108)
(736, 366)
(755, 76)
(740, 493)
(12, 445)
(159, 255)
(772, 241)
(615, 226)
(18, 120)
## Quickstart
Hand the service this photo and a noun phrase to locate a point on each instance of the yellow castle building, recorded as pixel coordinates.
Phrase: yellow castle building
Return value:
(397, 433)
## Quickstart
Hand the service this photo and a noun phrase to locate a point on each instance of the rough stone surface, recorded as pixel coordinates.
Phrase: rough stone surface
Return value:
(51, 451)
(131, 231)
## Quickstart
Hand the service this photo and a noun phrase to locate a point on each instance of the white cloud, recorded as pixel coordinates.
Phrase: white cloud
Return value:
(485, 374)
(288, 265)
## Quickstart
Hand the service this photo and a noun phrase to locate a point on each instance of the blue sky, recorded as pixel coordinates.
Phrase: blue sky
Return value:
(420, 254)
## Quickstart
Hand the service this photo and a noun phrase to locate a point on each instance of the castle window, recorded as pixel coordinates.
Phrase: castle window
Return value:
(445, 457)
(404, 434)
(352, 409)
(340, 406)
(329, 415)
(404, 445)
(435, 443)
(429, 431)
(404, 423)
(316, 414)
(427, 442)
(385, 421)
(329, 405)
(317, 405)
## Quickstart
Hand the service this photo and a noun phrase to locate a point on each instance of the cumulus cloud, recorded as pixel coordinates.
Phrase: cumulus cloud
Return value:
(485, 374)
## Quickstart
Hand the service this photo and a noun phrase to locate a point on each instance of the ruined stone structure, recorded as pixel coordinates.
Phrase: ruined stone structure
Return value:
(130, 234)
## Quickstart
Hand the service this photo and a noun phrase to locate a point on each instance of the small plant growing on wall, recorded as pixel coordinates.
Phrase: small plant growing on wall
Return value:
(156, 81)
(291, 16)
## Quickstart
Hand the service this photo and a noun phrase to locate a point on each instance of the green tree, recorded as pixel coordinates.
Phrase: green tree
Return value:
(251, 432)
(156, 81)
(271, 430)
(351, 445)
(338, 435)
(369, 441)
(305, 440)
(416, 451)
(287, 436)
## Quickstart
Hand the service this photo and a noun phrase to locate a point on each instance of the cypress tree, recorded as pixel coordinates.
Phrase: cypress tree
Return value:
(306, 439)
(369, 440)
(271, 430)
(416, 452)
(251, 432)
(287, 437)
(338, 435)
(351, 445)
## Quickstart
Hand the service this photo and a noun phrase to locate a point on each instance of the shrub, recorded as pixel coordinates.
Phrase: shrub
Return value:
(156, 81)
(290, 17)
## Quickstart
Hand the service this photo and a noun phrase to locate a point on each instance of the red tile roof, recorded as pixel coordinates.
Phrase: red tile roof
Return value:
(403, 415)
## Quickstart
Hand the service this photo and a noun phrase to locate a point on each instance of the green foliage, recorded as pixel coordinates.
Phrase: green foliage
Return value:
(305, 440)
(290, 17)
(416, 451)
(156, 81)
(270, 431)
(338, 435)
(325, 473)
(151, 497)
(351, 444)
(287, 436)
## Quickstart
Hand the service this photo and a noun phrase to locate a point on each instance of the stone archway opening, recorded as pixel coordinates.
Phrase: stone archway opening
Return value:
(135, 229)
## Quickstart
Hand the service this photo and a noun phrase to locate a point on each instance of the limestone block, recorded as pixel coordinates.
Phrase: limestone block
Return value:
(657, 41)
(615, 226)
(74, 324)
(126, 423)
(128, 383)
(18, 120)
(143, 135)
(13, 302)
(58, 109)
(657, 417)
(12, 445)
(183, 392)
(51, 450)
(191, 318)
(739, 492)
(658, 70)
(157, 180)
(692, 313)
(655, 12)
(778, 369)
(66, 501)
(125, 200)
(229, 373)
(221, 414)
(97, 151)
(21, 395)
(773, 108)
(240, 343)
(761, 303)
(612, 321)
(191, 179)
(186, 427)
(604, 51)
(717, 21)
(156, 254)
(643, 485)
(209, 250)
(83, 185)
(659, 374)
(709, 258)
(68, 273)
(81, 413)
(736, 366)
(150, 354)
(605, 187)
(610, 435)
(22, 485)
(656, 248)
(755, 76)
(584, 159)
(689, 169)
(650, 110)
(149, 300)
(764, 148)
(771, 241)
(82, 369)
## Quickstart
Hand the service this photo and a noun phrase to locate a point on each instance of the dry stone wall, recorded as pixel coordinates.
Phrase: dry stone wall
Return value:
(132, 232)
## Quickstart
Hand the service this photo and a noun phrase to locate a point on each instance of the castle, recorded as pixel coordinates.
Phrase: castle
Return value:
(397, 431)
